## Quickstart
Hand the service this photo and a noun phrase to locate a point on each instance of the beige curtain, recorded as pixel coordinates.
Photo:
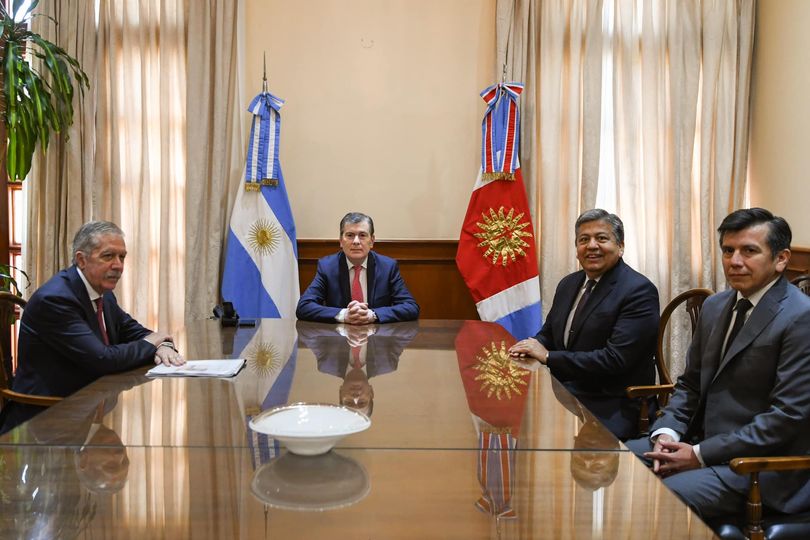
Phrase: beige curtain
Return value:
(141, 150)
(140, 154)
(215, 147)
(639, 107)
(60, 185)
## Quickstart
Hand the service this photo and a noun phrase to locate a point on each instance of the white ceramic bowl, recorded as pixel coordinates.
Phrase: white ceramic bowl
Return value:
(310, 429)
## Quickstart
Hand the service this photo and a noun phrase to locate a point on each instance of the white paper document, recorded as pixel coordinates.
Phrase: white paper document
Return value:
(199, 368)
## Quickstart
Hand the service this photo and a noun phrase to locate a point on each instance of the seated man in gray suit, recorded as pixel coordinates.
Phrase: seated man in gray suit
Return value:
(745, 388)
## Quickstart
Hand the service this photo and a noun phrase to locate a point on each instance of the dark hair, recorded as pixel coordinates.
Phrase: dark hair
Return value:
(779, 235)
(87, 237)
(357, 217)
(597, 214)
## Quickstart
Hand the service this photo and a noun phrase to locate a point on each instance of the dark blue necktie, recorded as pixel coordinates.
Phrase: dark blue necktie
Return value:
(742, 307)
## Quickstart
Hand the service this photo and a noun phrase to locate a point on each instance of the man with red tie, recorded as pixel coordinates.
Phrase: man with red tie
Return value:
(72, 331)
(356, 285)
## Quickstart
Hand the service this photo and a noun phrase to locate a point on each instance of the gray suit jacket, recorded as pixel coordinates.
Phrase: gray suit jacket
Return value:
(757, 397)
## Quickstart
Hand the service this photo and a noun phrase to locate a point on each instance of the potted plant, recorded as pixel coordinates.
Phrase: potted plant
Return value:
(37, 97)
(36, 100)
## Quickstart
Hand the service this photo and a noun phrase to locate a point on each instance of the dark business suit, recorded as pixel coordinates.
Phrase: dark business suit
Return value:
(333, 351)
(330, 291)
(61, 348)
(611, 346)
(756, 396)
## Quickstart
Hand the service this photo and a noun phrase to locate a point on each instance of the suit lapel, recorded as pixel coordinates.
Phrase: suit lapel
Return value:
(112, 331)
(343, 280)
(566, 302)
(80, 292)
(371, 277)
(714, 345)
(601, 291)
(767, 308)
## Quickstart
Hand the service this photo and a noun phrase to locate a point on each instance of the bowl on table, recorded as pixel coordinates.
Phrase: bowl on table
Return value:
(310, 429)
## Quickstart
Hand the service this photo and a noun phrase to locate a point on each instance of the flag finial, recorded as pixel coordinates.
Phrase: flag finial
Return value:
(264, 75)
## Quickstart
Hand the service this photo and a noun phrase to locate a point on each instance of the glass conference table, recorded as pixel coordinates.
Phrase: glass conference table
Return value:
(464, 443)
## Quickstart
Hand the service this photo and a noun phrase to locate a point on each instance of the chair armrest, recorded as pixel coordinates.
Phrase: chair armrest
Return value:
(29, 399)
(753, 466)
(749, 465)
(649, 390)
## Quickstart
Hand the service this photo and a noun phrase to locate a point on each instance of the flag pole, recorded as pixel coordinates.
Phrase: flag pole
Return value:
(264, 75)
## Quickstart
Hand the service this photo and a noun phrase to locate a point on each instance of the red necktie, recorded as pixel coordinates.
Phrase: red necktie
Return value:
(357, 290)
(356, 357)
(100, 315)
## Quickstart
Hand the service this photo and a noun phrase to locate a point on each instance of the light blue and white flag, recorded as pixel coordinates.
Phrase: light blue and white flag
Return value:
(270, 351)
(261, 259)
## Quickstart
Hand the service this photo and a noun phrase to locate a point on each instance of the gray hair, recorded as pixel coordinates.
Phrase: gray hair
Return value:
(356, 217)
(597, 214)
(87, 237)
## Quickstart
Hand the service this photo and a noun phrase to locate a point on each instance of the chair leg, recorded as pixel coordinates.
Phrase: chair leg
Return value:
(753, 510)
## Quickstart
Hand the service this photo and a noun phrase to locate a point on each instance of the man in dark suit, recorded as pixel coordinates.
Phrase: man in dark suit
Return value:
(600, 335)
(356, 285)
(72, 331)
(744, 391)
(355, 354)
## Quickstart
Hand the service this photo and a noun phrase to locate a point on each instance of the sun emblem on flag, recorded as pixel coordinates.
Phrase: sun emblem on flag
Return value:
(263, 237)
(263, 359)
(501, 376)
(502, 235)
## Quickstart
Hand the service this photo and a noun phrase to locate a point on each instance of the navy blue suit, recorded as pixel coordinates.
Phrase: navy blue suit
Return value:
(332, 350)
(610, 348)
(330, 291)
(61, 348)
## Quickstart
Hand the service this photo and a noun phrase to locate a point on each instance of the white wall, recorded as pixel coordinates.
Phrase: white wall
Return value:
(383, 114)
(780, 150)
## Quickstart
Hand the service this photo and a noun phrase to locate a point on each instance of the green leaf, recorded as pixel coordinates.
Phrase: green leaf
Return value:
(38, 99)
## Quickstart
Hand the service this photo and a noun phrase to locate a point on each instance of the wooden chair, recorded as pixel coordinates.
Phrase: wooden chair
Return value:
(758, 524)
(802, 282)
(9, 304)
(693, 302)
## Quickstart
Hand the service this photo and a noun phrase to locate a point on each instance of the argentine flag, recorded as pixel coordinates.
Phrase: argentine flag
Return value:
(261, 268)
(270, 350)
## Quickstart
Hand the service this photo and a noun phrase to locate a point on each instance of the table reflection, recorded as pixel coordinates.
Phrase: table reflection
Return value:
(496, 389)
(356, 354)
(459, 430)
(419, 397)
(49, 490)
(324, 482)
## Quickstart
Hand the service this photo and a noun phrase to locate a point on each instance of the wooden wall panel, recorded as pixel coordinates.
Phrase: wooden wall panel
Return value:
(427, 266)
(429, 269)
(799, 262)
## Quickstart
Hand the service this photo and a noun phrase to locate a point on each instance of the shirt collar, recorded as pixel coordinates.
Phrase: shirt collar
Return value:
(364, 264)
(91, 292)
(757, 296)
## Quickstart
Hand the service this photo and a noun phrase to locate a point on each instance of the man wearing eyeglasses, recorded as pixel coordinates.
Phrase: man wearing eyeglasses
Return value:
(356, 285)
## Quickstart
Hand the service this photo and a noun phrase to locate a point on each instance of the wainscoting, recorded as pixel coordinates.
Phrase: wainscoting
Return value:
(799, 262)
(427, 266)
(429, 269)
